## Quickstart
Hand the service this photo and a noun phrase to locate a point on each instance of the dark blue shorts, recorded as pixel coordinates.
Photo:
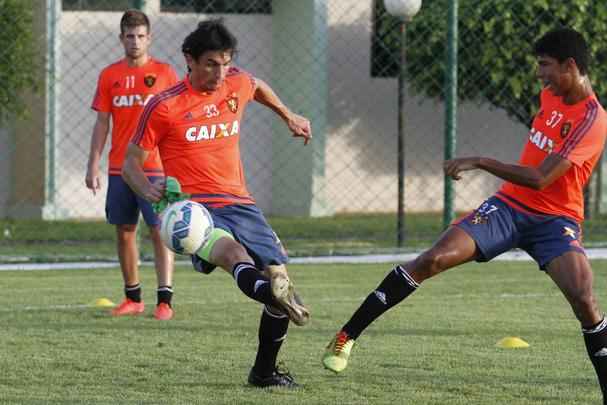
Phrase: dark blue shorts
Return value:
(249, 228)
(497, 227)
(122, 205)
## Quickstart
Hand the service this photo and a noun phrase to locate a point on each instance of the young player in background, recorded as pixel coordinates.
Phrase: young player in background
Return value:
(196, 126)
(123, 90)
(538, 209)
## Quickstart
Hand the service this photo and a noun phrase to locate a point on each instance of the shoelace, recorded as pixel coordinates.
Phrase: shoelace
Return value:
(340, 341)
(282, 371)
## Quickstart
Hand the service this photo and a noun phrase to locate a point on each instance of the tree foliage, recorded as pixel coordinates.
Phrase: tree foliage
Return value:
(19, 61)
(495, 59)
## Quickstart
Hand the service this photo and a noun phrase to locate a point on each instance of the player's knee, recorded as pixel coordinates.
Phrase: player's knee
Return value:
(126, 232)
(231, 253)
(429, 263)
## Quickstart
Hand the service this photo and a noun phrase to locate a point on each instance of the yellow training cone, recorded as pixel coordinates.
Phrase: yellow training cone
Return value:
(512, 342)
(103, 303)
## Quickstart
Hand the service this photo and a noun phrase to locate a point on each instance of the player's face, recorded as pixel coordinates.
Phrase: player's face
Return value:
(555, 75)
(136, 41)
(209, 71)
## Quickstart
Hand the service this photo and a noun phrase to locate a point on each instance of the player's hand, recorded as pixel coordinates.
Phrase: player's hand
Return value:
(454, 167)
(300, 127)
(92, 180)
(155, 191)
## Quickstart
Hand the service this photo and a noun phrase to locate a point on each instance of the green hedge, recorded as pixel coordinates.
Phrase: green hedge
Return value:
(496, 63)
(19, 60)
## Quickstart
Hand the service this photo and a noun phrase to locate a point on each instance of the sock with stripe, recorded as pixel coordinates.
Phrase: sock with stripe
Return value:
(133, 292)
(595, 338)
(164, 294)
(272, 332)
(252, 283)
(397, 286)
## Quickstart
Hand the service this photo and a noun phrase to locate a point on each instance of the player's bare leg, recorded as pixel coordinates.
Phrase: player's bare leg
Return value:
(164, 259)
(573, 275)
(128, 254)
(164, 264)
(454, 247)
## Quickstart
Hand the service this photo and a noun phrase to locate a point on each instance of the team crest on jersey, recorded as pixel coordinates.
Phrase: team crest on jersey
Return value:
(479, 219)
(149, 80)
(232, 103)
(565, 129)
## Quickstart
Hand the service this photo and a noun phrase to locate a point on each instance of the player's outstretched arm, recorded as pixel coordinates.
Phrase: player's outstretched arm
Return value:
(100, 132)
(298, 125)
(134, 176)
(537, 178)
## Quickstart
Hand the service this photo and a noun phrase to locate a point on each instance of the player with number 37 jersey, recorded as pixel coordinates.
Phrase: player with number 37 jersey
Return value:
(574, 132)
(539, 208)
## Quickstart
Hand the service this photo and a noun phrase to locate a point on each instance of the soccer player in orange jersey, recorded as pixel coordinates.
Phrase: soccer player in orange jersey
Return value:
(196, 127)
(123, 90)
(538, 209)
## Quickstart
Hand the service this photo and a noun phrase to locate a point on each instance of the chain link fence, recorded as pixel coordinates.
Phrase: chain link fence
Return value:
(336, 62)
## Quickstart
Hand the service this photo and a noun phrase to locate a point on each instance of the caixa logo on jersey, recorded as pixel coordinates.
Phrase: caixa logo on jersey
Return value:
(540, 140)
(131, 100)
(213, 131)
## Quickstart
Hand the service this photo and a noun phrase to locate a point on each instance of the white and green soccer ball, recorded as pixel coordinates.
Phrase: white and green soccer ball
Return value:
(185, 227)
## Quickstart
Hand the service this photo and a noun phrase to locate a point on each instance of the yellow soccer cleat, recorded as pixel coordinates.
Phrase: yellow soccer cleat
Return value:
(337, 352)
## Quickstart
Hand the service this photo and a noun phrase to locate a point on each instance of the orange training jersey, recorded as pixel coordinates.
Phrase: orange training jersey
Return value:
(574, 132)
(123, 91)
(197, 135)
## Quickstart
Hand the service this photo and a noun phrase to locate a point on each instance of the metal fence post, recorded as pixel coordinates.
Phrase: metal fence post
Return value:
(450, 108)
(400, 224)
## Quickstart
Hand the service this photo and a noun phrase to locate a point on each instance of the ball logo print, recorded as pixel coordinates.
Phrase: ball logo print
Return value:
(185, 227)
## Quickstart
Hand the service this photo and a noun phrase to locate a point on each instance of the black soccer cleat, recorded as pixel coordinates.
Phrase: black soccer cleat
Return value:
(279, 379)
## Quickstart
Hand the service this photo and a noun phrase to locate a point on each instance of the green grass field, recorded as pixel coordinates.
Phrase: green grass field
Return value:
(436, 348)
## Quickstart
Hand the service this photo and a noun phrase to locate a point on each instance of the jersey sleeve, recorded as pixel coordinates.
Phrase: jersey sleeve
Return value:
(246, 83)
(249, 85)
(153, 125)
(586, 138)
(102, 101)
